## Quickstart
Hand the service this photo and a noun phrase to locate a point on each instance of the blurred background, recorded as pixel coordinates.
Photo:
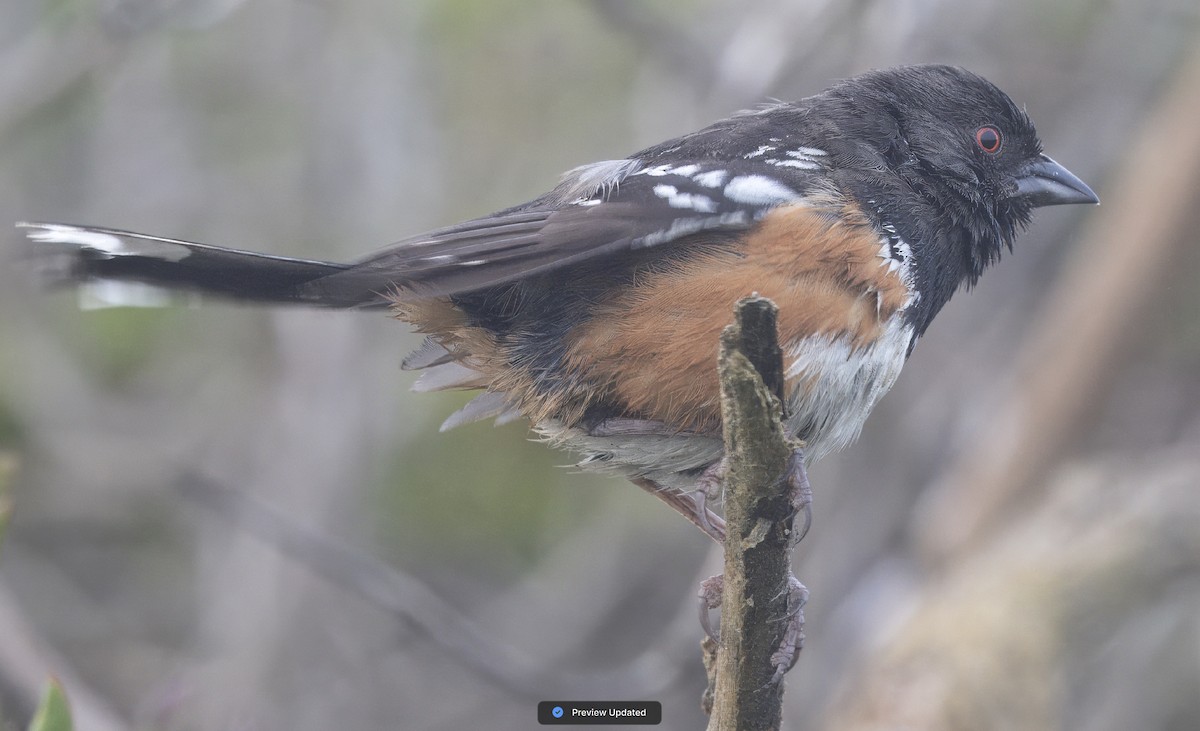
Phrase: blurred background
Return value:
(229, 518)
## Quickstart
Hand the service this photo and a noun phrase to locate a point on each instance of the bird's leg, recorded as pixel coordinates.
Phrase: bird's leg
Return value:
(688, 505)
(708, 484)
(692, 504)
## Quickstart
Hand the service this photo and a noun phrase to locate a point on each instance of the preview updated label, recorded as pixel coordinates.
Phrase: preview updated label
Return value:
(583, 713)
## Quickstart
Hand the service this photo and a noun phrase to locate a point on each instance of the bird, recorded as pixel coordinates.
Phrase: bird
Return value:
(594, 310)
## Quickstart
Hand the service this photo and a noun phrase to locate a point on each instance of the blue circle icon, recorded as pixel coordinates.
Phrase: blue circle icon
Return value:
(557, 712)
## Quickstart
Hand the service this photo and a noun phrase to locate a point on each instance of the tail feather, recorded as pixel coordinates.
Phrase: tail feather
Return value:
(65, 254)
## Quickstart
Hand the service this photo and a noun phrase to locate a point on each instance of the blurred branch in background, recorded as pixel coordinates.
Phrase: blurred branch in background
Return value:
(756, 52)
(413, 603)
(682, 55)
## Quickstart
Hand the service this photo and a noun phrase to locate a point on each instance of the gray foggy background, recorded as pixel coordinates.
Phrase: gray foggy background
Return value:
(230, 518)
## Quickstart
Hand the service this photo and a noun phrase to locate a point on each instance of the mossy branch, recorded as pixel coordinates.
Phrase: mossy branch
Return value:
(759, 513)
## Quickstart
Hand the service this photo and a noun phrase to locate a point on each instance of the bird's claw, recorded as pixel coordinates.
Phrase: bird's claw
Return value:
(711, 590)
(800, 491)
(785, 656)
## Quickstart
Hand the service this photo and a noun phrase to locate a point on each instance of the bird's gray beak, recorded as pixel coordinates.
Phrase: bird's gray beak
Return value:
(1044, 182)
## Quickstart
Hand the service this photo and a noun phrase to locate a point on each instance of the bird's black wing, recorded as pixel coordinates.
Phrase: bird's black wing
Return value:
(601, 210)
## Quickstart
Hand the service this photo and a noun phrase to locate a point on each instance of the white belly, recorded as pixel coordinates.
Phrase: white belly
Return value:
(835, 386)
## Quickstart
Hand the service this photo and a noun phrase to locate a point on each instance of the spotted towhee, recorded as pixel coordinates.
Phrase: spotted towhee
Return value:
(595, 309)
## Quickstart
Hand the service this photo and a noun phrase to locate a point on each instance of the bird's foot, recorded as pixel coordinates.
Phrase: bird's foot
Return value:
(785, 655)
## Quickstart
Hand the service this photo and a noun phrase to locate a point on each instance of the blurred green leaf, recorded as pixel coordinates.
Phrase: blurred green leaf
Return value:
(11, 429)
(65, 12)
(53, 713)
(116, 342)
(492, 494)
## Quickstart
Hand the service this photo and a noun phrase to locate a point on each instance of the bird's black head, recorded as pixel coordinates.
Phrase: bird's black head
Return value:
(951, 161)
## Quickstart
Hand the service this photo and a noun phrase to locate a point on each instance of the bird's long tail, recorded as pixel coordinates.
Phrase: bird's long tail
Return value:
(65, 255)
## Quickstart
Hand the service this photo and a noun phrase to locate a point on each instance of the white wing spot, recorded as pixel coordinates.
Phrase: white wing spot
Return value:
(801, 164)
(658, 171)
(685, 170)
(693, 201)
(759, 190)
(685, 226)
(803, 158)
(712, 178)
(762, 150)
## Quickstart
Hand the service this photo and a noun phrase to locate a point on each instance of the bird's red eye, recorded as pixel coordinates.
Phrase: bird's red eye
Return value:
(988, 139)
